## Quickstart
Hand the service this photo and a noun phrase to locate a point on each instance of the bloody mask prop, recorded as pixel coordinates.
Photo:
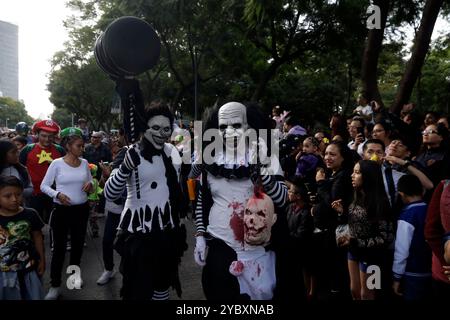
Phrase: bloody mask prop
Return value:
(259, 217)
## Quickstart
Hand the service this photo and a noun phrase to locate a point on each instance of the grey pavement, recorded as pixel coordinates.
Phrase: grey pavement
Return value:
(92, 267)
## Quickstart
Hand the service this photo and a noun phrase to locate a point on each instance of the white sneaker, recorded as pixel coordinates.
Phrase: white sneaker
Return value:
(53, 293)
(105, 277)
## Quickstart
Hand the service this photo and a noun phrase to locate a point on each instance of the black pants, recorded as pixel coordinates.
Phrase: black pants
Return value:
(148, 263)
(43, 204)
(329, 266)
(65, 220)
(109, 235)
(441, 290)
(218, 283)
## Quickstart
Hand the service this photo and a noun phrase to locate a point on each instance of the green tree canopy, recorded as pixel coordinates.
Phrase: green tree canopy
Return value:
(302, 55)
(12, 111)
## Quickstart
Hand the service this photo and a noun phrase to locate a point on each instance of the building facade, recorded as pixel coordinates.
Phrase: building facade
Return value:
(9, 60)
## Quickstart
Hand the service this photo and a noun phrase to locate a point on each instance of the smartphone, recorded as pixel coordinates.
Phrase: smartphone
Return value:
(360, 130)
(308, 187)
(311, 193)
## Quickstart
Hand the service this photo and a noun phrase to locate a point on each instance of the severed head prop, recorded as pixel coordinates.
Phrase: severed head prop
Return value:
(259, 217)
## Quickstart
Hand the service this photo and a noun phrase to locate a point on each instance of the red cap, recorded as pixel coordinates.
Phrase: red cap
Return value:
(46, 125)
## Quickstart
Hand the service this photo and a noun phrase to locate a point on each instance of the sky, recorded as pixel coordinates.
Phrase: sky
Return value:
(41, 34)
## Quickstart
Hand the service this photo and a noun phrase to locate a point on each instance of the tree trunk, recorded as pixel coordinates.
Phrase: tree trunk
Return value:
(266, 77)
(419, 91)
(371, 53)
(350, 86)
(419, 52)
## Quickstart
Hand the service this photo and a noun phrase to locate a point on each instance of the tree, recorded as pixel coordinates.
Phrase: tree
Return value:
(372, 52)
(63, 117)
(12, 111)
(84, 90)
(435, 78)
(308, 56)
(419, 51)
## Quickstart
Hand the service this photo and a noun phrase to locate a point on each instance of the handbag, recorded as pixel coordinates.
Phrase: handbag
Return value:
(342, 231)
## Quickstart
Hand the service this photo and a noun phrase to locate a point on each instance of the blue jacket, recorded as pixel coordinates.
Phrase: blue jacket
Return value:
(412, 255)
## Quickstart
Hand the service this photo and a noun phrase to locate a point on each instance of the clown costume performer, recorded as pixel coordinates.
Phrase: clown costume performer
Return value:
(227, 243)
(151, 239)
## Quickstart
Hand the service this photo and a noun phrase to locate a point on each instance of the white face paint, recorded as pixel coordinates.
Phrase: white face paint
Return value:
(159, 131)
(232, 121)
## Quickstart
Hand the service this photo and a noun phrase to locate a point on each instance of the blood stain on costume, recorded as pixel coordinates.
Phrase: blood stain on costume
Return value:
(237, 220)
(238, 267)
(153, 185)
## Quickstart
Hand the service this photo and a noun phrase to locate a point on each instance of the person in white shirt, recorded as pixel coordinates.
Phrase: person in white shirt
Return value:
(356, 131)
(363, 109)
(73, 181)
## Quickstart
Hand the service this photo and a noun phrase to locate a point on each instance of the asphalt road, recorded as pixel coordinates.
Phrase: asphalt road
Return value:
(92, 267)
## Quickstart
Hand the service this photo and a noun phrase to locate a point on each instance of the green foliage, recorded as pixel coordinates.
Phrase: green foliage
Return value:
(303, 55)
(433, 93)
(63, 117)
(12, 111)
(84, 90)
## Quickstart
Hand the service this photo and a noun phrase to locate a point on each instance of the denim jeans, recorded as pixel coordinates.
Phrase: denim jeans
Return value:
(109, 235)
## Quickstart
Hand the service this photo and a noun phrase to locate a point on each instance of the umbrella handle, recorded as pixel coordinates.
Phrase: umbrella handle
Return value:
(133, 140)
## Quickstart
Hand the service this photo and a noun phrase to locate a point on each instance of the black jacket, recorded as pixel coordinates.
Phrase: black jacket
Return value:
(338, 186)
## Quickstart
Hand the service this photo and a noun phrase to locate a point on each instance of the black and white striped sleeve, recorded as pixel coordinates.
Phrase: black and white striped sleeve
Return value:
(199, 214)
(196, 171)
(115, 185)
(275, 188)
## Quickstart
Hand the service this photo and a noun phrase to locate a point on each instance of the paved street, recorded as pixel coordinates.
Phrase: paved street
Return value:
(92, 267)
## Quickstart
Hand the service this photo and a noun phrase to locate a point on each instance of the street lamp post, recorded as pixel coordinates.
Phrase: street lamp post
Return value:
(195, 83)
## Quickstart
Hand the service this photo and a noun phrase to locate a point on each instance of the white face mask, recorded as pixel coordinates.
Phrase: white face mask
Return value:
(159, 131)
(232, 121)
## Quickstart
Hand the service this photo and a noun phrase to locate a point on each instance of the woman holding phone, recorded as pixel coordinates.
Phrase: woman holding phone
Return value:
(332, 185)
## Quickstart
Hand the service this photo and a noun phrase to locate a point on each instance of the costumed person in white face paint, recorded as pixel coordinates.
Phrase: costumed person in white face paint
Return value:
(151, 238)
(228, 182)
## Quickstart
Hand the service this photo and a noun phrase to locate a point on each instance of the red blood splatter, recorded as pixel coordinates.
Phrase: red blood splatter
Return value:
(237, 220)
(238, 267)
(258, 192)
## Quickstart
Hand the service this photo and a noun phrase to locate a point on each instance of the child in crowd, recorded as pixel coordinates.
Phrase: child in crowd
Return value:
(308, 160)
(94, 198)
(300, 223)
(412, 257)
(22, 259)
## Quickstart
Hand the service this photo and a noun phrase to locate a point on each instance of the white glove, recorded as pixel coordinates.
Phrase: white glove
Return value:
(200, 251)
